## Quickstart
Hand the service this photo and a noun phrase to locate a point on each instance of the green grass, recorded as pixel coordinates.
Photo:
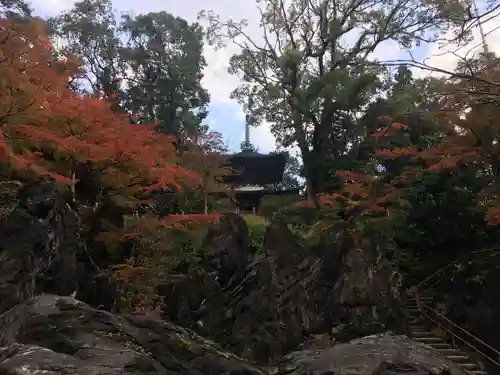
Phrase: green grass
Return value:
(254, 220)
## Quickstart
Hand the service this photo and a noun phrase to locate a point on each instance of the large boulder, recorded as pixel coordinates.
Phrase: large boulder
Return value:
(381, 354)
(368, 291)
(59, 335)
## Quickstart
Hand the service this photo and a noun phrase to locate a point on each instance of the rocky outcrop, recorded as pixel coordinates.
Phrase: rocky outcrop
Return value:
(224, 256)
(60, 335)
(38, 242)
(368, 290)
(382, 354)
(259, 306)
(289, 292)
(283, 296)
(48, 244)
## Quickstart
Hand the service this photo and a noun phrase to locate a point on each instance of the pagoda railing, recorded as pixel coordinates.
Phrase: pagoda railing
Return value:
(456, 332)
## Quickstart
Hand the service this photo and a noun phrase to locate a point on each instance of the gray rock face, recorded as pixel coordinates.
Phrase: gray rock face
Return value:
(381, 354)
(225, 258)
(38, 242)
(60, 335)
(367, 293)
(259, 306)
(263, 308)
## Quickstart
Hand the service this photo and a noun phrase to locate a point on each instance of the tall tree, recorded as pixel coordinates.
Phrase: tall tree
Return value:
(9, 8)
(165, 55)
(308, 80)
(47, 128)
(150, 64)
(91, 33)
(409, 101)
(469, 143)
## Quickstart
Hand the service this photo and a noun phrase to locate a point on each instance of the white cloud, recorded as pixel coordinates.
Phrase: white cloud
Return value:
(262, 138)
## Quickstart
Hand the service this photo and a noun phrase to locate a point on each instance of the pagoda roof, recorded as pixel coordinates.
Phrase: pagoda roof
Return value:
(253, 168)
(261, 192)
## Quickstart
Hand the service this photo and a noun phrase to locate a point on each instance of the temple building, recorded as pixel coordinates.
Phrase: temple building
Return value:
(251, 172)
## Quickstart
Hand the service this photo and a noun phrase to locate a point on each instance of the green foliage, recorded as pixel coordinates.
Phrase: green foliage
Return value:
(309, 82)
(311, 225)
(271, 204)
(15, 8)
(157, 252)
(256, 229)
(7, 208)
(150, 64)
(444, 215)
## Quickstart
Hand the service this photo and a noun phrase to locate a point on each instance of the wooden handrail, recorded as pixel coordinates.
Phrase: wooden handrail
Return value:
(494, 356)
(423, 307)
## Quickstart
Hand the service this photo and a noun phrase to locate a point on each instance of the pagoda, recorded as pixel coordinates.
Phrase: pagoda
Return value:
(251, 172)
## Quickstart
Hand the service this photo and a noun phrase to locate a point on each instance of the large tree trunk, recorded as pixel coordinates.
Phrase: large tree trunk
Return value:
(309, 175)
(307, 159)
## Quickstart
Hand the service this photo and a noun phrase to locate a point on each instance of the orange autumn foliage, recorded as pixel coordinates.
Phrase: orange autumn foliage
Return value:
(205, 155)
(361, 195)
(469, 119)
(47, 129)
(42, 117)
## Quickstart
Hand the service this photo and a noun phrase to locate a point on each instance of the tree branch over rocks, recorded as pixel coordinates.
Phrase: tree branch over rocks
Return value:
(310, 69)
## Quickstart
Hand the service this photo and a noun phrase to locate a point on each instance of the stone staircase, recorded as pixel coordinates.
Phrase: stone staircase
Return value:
(420, 332)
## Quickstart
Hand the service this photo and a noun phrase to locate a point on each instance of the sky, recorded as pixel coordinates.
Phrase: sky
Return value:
(226, 115)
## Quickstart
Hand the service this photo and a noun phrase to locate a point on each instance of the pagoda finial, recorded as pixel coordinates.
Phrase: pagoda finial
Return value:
(486, 50)
(247, 145)
(247, 133)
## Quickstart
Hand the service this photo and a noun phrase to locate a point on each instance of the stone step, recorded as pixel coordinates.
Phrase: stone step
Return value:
(449, 351)
(458, 358)
(439, 345)
(421, 334)
(430, 339)
(468, 366)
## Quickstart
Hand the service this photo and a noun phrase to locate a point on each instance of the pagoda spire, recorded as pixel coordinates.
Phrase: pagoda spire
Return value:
(247, 144)
(486, 50)
(247, 133)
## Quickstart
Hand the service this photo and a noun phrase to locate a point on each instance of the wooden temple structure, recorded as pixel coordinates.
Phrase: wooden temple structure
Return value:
(252, 171)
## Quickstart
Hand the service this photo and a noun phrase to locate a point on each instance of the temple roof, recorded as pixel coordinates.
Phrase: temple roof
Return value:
(255, 193)
(253, 168)
(249, 188)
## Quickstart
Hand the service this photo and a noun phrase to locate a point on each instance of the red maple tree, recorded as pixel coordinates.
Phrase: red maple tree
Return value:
(469, 119)
(47, 129)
